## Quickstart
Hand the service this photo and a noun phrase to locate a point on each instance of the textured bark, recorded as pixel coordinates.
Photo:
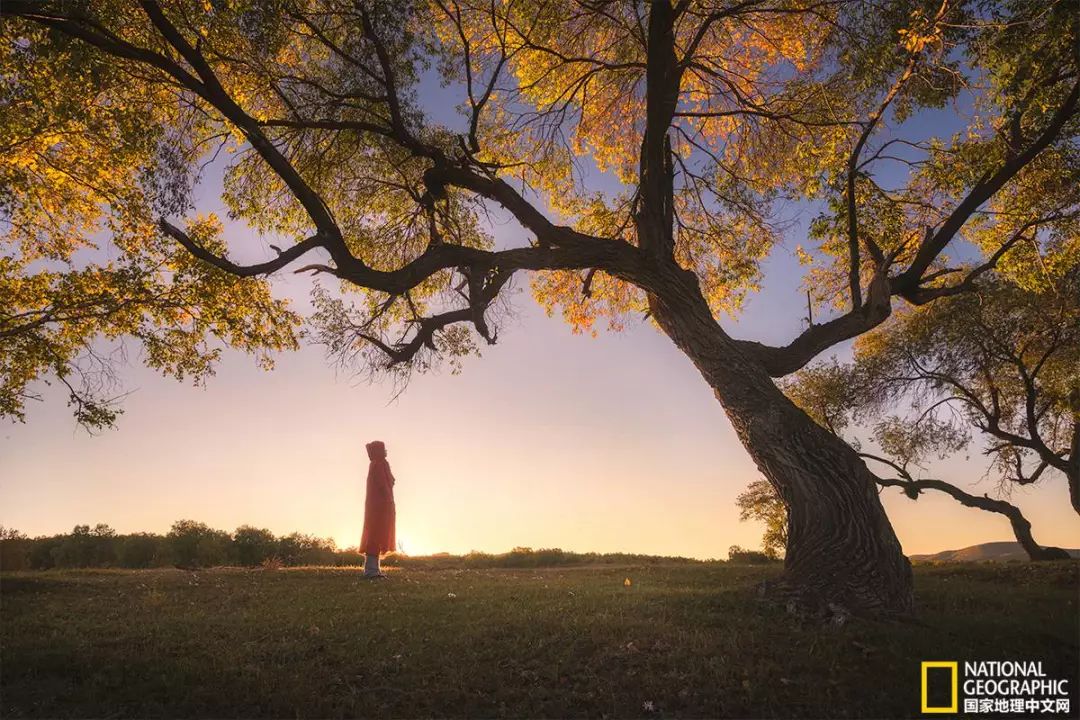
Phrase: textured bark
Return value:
(842, 554)
(1072, 472)
(1073, 476)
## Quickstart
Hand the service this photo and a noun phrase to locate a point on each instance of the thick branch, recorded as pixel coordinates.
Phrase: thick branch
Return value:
(662, 78)
(854, 250)
(983, 190)
(780, 361)
(615, 257)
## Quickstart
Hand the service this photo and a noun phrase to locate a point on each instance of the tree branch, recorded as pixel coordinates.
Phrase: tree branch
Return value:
(932, 246)
(1021, 525)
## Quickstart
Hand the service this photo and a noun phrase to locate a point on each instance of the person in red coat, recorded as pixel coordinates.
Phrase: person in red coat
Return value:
(380, 516)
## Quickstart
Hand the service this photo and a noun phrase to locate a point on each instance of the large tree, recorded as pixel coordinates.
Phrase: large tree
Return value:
(641, 146)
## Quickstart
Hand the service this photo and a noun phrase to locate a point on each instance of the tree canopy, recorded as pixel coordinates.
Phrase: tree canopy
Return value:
(594, 125)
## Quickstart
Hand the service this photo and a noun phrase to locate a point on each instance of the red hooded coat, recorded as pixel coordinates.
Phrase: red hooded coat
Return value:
(380, 516)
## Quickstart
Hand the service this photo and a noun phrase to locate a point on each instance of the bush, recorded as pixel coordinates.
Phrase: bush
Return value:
(253, 546)
(141, 550)
(14, 549)
(737, 554)
(390, 559)
(301, 549)
(349, 557)
(194, 544)
(86, 547)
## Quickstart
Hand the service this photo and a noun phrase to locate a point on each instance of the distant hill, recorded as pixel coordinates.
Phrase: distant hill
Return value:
(986, 552)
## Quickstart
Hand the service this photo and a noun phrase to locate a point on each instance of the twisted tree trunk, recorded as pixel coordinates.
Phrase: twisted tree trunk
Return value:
(842, 553)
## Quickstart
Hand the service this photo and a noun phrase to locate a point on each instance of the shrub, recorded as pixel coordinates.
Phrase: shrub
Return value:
(86, 547)
(14, 549)
(253, 546)
(141, 550)
(737, 554)
(194, 544)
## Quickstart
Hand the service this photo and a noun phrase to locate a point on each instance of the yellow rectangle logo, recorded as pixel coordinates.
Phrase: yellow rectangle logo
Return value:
(951, 665)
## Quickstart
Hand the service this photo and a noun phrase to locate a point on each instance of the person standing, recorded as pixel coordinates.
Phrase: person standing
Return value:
(380, 515)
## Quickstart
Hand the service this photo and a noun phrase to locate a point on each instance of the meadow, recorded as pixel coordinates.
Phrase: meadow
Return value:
(681, 640)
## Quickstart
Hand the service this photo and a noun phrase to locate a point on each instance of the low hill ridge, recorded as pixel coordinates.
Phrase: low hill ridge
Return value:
(985, 552)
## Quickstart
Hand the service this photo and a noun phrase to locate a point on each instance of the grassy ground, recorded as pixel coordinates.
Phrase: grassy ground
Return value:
(684, 640)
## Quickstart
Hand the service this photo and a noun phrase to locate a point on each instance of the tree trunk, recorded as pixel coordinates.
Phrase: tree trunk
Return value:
(842, 554)
(1072, 472)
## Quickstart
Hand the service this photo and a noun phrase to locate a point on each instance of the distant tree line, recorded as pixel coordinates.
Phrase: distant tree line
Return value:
(526, 557)
(188, 544)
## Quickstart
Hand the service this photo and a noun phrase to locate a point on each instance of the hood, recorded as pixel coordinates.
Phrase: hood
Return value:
(376, 450)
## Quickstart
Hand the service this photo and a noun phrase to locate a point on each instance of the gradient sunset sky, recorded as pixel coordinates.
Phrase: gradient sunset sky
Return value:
(550, 439)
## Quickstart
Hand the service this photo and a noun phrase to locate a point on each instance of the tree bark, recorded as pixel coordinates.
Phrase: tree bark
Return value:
(1073, 476)
(1072, 471)
(842, 554)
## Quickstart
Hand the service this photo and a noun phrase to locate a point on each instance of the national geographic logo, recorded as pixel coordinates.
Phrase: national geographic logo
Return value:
(940, 686)
(992, 686)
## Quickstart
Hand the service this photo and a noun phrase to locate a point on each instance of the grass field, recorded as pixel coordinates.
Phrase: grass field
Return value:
(680, 641)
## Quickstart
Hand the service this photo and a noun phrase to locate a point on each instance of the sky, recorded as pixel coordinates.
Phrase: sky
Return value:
(550, 439)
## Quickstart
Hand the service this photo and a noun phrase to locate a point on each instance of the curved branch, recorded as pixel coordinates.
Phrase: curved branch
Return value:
(1021, 525)
(215, 93)
(265, 268)
(427, 327)
(613, 256)
(780, 361)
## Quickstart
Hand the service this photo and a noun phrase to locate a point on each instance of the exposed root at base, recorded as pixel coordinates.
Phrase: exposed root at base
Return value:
(811, 604)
